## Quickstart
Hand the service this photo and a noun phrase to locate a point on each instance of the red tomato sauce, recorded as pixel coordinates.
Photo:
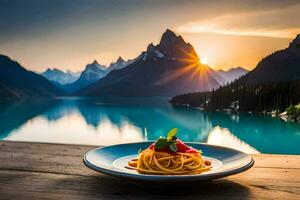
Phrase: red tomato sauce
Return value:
(181, 147)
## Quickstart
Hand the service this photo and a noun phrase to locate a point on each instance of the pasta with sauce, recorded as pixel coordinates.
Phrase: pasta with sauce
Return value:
(170, 156)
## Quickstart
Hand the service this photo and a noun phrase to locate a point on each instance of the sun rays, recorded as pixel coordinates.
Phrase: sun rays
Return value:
(193, 68)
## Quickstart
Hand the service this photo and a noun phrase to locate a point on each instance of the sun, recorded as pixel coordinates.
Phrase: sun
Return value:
(204, 61)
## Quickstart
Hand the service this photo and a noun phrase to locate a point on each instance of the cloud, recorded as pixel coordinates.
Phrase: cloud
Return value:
(278, 23)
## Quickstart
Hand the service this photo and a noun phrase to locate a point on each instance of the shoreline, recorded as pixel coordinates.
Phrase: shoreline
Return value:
(282, 115)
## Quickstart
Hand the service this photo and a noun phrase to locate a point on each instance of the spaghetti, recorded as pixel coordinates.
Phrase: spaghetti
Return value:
(166, 161)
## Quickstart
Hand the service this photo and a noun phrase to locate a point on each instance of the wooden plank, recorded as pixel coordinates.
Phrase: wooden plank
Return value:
(277, 161)
(53, 186)
(53, 158)
(51, 171)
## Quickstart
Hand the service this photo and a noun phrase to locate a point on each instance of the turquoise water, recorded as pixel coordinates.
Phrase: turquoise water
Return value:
(98, 122)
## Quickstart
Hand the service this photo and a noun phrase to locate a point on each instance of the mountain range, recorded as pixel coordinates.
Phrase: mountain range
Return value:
(169, 68)
(17, 82)
(59, 77)
(94, 72)
(166, 69)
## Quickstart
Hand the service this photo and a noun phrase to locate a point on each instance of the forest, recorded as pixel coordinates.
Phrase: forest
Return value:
(244, 97)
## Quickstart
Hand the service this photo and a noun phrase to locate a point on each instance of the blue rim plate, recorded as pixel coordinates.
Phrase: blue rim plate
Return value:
(111, 160)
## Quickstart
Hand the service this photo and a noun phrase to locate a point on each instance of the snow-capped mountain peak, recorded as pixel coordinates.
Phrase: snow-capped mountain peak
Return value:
(119, 64)
(93, 72)
(94, 66)
(57, 76)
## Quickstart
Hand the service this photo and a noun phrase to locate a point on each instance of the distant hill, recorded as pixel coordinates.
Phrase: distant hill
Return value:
(92, 72)
(17, 82)
(232, 74)
(169, 68)
(119, 64)
(60, 77)
(273, 85)
(283, 65)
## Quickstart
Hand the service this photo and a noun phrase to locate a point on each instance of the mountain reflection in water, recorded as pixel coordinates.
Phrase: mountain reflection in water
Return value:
(98, 122)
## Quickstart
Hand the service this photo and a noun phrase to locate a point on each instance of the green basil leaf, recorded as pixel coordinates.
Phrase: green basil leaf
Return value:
(173, 147)
(161, 143)
(172, 133)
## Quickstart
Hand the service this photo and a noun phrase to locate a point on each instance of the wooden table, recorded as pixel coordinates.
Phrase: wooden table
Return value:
(55, 171)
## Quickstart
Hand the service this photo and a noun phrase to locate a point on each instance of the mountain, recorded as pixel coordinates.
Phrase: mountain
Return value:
(60, 77)
(231, 74)
(119, 64)
(94, 72)
(90, 74)
(283, 65)
(75, 74)
(169, 68)
(272, 85)
(218, 77)
(16, 81)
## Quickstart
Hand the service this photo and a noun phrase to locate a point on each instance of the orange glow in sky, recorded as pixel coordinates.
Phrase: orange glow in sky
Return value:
(225, 34)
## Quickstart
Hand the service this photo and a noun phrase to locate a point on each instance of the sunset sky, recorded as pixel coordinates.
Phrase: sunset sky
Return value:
(68, 34)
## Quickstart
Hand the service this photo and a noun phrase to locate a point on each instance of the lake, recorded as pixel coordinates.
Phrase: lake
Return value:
(106, 122)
